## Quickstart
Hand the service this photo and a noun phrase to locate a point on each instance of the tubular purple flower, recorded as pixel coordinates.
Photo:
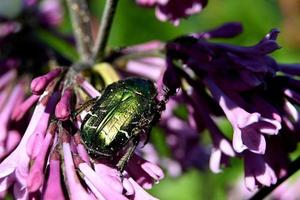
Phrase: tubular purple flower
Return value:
(140, 193)
(35, 142)
(256, 100)
(39, 84)
(129, 189)
(227, 30)
(16, 95)
(267, 45)
(292, 69)
(144, 47)
(81, 149)
(173, 10)
(248, 127)
(151, 68)
(51, 12)
(291, 111)
(110, 176)
(169, 83)
(15, 166)
(106, 190)
(12, 140)
(24, 107)
(63, 108)
(292, 95)
(3, 96)
(143, 172)
(222, 147)
(7, 78)
(257, 171)
(75, 189)
(142, 60)
(36, 174)
(53, 186)
(87, 87)
(150, 153)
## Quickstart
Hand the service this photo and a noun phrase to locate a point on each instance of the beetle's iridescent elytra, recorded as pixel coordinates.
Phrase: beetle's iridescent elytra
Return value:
(126, 110)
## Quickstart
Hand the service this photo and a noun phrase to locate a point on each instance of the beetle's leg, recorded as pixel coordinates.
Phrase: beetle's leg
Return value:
(124, 160)
(84, 106)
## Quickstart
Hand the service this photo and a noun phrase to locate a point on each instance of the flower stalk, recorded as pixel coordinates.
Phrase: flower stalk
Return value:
(104, 29)
(80, 18)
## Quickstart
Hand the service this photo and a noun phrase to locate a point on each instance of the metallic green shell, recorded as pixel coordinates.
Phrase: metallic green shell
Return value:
(122, 108)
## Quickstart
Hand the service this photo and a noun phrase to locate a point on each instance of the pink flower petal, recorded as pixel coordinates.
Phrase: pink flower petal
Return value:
(63, 108)
(21, 110)
(39, 84)
(107, 191)
(53, 189)
(87, 87)
(7, 78)
(36, 174)
(215, 160)
(75, 189)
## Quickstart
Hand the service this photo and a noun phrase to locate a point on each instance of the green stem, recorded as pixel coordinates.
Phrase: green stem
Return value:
(265, 191)
(104, 29)
(80, 19)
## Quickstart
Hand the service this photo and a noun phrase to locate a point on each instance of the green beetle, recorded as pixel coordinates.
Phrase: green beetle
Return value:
(126, 110)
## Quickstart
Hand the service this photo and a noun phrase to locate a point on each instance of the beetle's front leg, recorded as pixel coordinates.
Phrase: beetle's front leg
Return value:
(85, 105)
(125, 158)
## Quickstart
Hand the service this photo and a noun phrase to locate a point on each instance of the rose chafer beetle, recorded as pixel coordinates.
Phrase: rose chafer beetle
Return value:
(116, 121)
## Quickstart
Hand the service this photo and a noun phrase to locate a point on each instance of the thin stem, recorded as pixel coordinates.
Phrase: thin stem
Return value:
(265, 191)
(80, 18)
(104, 29)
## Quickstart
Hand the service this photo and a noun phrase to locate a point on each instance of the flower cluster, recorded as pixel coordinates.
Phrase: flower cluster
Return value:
(18, 64)
(173, 10)
(241, 84)
(51, 141)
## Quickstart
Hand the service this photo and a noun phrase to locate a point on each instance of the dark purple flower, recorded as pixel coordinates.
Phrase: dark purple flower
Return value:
(241, 84)
(174, 10)
(257, 171)
(51, 12)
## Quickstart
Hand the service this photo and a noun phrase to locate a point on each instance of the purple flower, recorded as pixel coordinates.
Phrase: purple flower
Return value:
(173, 10)
(51, 12)
(241, 84)
(14, 169)
(25, 168)
(257, 171)
(248, 127)
(7, 28)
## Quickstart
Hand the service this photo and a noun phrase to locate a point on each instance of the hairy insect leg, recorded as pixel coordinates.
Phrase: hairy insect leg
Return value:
(125, 158)
(84, 106)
